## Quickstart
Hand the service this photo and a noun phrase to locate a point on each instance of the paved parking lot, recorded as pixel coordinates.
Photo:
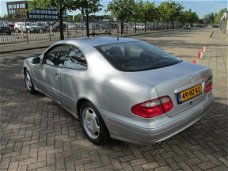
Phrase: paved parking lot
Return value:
(37, 134)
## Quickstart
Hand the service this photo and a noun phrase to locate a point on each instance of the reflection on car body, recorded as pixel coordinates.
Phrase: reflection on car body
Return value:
(123, 88)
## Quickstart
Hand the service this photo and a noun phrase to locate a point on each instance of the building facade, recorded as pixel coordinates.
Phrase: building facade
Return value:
(19, 11)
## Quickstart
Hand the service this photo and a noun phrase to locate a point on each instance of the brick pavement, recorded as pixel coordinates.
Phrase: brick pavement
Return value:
(37, 134)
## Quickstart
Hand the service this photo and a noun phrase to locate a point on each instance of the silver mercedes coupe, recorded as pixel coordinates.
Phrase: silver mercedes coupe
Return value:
(121, 88)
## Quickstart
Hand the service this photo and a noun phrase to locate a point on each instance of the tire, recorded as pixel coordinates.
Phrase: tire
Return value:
(28, 82)
(93, 125)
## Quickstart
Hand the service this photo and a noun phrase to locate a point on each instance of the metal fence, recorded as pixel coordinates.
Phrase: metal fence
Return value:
(74, 30)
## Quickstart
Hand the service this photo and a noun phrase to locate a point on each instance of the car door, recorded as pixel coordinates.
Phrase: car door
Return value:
(72, 78)
(49, 72)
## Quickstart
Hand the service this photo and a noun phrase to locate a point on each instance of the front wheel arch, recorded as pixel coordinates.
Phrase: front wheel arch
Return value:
(31, 89)
(25, 69)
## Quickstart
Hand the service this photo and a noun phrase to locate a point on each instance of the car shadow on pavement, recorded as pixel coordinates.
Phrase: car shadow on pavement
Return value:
(34, 129)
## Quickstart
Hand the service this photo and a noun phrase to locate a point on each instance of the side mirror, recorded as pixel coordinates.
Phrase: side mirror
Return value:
(36, 60)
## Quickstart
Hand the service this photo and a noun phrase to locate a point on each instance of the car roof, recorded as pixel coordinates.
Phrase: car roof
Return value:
(96, 41)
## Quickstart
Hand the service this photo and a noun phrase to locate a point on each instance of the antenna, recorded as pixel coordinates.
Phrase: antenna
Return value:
(118, 32)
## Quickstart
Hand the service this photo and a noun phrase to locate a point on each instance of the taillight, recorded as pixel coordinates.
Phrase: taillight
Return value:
(153, 108)
(208, 86)
(167, 103)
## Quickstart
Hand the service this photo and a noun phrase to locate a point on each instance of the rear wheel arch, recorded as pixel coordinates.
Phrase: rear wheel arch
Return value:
(98, 123)
(80, 103)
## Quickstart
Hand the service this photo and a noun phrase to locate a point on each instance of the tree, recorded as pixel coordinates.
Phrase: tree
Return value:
(189, 17)
(170, 11)
(209, 18)
(137, 11)
(60, 5)
(88, 7)
(70, 18)
(121, 10)
(149, 12)
(5, 17)
(77, 18)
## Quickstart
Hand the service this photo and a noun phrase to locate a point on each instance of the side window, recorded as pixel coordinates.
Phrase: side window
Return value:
(56, 56)
(134, 51)
(75, 59)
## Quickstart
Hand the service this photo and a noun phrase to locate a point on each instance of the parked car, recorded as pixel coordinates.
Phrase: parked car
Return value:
(199, 25)
(71, 26)
(187, 26)
(56, 27)
(215, 26)
(4, 28)
(40, 28)
(11, 25)
(122, 88)
(22, 27)
(139, 27)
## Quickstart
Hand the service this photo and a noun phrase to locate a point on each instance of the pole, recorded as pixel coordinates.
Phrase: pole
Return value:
(49, 30)
(26, 31)
(67, 28)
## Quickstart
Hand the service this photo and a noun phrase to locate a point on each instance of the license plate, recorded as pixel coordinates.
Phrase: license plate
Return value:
(189, 93)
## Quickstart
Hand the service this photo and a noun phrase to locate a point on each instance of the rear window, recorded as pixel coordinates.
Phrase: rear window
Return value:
(136, 56)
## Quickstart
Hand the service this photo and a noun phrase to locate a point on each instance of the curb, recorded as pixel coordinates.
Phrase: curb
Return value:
(29, 48)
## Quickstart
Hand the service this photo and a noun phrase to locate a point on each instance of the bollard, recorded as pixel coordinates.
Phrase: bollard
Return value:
(211, 34)
(199, 55)
(204, 49)
(194, 61)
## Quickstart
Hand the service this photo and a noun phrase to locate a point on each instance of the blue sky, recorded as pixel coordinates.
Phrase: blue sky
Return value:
(202, 7)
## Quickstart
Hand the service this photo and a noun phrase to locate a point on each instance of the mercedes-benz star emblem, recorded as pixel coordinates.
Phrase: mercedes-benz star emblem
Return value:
(191, 78)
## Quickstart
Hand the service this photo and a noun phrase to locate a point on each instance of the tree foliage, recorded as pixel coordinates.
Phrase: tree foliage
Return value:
(77, 18)
(60, 5)
(149, 12)
(122, 10)
(170, 11)
(140, 10)
(137, 11)
(209, 18)
(5, 17)
(189, 17)
(87, 7)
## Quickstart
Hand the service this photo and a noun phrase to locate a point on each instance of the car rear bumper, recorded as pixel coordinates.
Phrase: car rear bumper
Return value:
(139, 132)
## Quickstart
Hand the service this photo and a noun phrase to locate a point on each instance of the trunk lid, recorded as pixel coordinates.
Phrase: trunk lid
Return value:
(171, 80)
